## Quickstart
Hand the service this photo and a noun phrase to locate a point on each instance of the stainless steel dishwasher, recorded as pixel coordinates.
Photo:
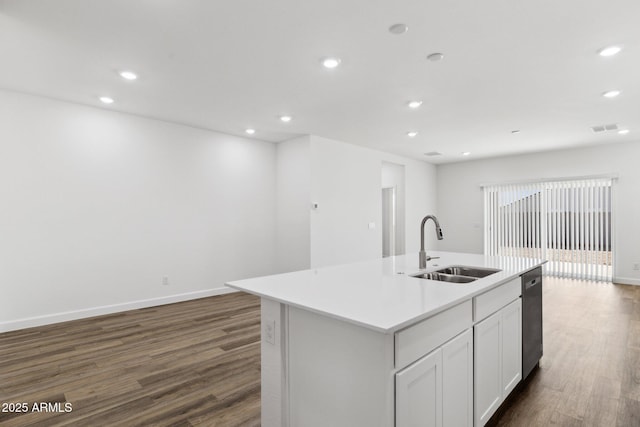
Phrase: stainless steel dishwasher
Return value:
(531, 320)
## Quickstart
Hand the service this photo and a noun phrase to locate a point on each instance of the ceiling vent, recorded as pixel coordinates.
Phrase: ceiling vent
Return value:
(432, 153)
(604, 128)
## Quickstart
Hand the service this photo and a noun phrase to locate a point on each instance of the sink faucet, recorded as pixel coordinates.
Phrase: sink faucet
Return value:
(423, 256)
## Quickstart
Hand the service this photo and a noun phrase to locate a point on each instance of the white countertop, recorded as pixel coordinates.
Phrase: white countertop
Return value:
(381, 294)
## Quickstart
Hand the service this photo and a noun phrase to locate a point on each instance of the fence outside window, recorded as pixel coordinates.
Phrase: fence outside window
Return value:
(566, 222)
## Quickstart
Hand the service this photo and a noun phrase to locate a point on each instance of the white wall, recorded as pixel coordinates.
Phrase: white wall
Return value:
(293, 205)
(420, 200)
(393, 176)
(97, 206)
(346, 180)
(460, 198)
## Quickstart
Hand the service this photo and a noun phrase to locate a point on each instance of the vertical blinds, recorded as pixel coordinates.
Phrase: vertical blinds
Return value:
(566, 222)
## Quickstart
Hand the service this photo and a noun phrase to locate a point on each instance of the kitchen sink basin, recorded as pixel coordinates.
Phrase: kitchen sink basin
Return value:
(461, 270)
(443, 277)
(458, 274)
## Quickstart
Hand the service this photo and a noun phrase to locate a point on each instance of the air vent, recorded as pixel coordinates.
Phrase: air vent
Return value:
(604, 128)
(432, 153)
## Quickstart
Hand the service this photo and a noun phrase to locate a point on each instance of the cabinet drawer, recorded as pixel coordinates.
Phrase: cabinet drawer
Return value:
(492, 301)
(421, 338)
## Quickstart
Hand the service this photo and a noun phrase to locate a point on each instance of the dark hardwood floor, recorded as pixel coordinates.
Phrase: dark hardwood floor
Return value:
(186, 364)
(590, 372)
(198, 363)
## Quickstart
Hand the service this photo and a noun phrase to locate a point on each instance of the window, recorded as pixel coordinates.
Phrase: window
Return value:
(566, 222)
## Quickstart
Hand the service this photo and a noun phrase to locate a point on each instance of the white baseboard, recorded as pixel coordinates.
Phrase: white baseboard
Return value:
(626, 281)
(49, 319)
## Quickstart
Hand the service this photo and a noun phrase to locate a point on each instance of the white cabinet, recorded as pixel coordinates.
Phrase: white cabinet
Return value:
(511, 346)
(488, 370)
(457, 381)
(422, 338)
(419, 393)
(498, 361)
(437, 390)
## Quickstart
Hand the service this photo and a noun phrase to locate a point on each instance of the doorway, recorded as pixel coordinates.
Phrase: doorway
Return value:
(568, 223)
(393, 210)
(388, 222)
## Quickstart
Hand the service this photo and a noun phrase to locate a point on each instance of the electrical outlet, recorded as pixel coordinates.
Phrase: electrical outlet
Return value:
(636, 266)
(165, 280)
(270, 331)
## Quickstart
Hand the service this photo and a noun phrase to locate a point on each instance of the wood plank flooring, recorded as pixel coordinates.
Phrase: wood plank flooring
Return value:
(590, 372)
(186, 364)
(197, 363)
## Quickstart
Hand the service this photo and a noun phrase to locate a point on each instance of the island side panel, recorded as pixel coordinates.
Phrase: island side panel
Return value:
(273, 363)
(340, 374)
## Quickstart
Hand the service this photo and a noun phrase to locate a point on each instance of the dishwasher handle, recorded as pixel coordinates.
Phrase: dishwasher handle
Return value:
(531, 283)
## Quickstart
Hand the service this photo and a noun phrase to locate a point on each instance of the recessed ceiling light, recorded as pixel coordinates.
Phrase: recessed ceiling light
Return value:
(398, 29)
(609, 51)
(106, 100)
(250, 131)
(128, 75)
(435, 56)
(604, 128)
(412, 134)
(466, 153)
(611, 94)
(414, 104)
(330, 62)
(623, 131)
(285, 119)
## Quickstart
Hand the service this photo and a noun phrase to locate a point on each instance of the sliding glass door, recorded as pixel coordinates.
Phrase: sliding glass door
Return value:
(566, 222)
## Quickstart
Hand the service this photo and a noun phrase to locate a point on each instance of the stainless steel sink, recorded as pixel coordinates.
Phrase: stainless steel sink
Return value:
(461, 270)
(458, 274)
(442, 277)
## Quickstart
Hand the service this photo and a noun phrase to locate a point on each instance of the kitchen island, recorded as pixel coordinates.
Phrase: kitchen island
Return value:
(368, 344)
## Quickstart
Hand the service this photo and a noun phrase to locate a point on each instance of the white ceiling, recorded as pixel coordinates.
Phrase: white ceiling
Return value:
(227, 65)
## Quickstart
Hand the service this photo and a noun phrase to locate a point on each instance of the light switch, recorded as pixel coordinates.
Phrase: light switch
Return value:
(372, 225)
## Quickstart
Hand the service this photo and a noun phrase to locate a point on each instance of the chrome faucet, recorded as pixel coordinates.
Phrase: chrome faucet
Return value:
(423, 256)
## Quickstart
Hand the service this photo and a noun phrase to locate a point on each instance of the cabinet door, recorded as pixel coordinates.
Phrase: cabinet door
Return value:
(457, 381)
(511, 346)
(419, 393)
(487, 342)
